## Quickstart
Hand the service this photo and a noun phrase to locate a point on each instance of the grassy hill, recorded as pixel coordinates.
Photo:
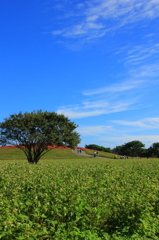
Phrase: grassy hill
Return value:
(56, 153)
(100, 153)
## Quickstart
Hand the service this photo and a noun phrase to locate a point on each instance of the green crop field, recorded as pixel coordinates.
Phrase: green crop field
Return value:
(82, 198)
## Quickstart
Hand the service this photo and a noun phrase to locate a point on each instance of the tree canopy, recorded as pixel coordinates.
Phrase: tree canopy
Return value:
(98, 148)
(33, 132)
(153, 150)
(133, 148)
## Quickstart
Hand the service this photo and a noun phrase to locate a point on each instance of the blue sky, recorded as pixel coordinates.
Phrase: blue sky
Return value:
(95, 61)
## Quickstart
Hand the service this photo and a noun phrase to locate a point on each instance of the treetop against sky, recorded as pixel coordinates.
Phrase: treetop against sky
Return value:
(95, 61)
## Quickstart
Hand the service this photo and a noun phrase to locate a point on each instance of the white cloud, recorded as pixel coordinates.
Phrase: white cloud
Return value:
(143, 123)
(96, 108)
(120, 87)
(120, 97)
(94, 130)
(122, 139)
(93, 19)
(148, 71)
(149, 35)
(97, 104)
(79, 114)
(138, 54)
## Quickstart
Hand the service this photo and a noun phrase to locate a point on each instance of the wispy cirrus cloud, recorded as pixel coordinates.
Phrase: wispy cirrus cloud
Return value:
(146, 71)
(96, 18)
(148, 140)
(141, 53)
(122, 96)
(106, 105)
(141, 62)
(143, 123)
(94, 130)
(120, 87)
(109, 135)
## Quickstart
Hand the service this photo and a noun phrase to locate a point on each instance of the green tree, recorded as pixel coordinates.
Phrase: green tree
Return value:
(34, 132)
(118, 150)
(153, 151)
(133, 148)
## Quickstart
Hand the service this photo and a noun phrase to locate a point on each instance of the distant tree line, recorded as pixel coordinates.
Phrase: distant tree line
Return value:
(134, 149)
(98, 148)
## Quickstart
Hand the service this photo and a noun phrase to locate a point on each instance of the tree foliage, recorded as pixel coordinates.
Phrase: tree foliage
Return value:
(34, 132)
(153, 151)
(98, 148)
(133, 148)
